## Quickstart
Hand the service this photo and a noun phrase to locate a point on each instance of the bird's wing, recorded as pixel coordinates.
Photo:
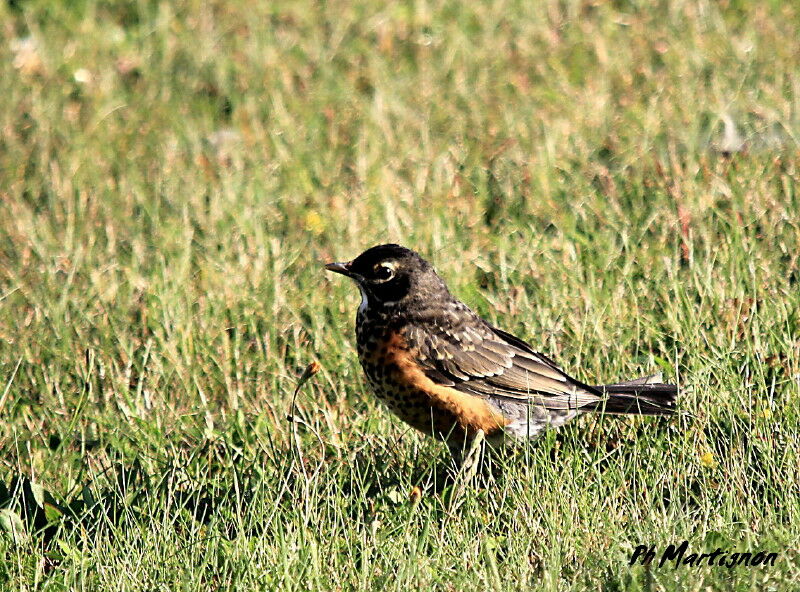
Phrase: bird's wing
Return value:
(484, 361)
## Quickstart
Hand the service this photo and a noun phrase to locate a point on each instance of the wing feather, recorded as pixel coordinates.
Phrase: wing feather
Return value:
(484, 361)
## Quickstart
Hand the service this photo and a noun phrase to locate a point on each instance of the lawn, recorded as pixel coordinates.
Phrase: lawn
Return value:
(614, 181)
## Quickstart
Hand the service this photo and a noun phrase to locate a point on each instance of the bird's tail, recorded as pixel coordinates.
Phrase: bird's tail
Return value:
(643, 396)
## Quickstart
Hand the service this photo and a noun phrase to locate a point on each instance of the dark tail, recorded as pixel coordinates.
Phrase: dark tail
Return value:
(643, 396)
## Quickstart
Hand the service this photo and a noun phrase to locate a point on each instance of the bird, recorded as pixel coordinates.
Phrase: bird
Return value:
(450, 374)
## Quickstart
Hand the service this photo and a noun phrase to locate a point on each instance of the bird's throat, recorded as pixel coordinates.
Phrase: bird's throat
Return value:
(362, 308)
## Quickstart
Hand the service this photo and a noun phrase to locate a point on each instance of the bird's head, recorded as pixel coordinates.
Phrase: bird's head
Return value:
(389, 275)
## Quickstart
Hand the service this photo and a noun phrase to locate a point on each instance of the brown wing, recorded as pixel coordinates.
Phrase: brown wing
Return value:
(484, 361)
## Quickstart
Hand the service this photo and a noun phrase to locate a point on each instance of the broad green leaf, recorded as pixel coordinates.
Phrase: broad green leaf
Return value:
(12, 524)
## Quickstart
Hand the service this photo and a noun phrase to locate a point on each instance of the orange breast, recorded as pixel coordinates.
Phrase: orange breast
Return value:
(397, 379)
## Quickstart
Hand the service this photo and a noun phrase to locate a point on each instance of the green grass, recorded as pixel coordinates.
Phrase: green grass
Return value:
(171, 177)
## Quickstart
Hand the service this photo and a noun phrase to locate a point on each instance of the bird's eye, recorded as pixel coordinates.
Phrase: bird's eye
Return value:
(384, 272)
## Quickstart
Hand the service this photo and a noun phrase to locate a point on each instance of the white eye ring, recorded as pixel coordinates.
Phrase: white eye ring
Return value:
(384, 268)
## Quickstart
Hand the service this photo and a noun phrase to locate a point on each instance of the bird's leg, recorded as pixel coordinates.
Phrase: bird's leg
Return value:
(467, 455)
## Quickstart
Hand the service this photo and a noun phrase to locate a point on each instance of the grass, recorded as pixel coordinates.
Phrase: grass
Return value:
(615, 181)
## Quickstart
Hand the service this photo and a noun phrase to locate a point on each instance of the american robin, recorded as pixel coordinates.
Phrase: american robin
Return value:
(450, 374)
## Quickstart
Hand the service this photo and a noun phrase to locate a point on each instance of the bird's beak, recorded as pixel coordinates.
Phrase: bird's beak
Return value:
(343, 268)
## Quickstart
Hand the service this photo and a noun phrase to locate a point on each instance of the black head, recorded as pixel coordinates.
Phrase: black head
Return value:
(390, 274)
